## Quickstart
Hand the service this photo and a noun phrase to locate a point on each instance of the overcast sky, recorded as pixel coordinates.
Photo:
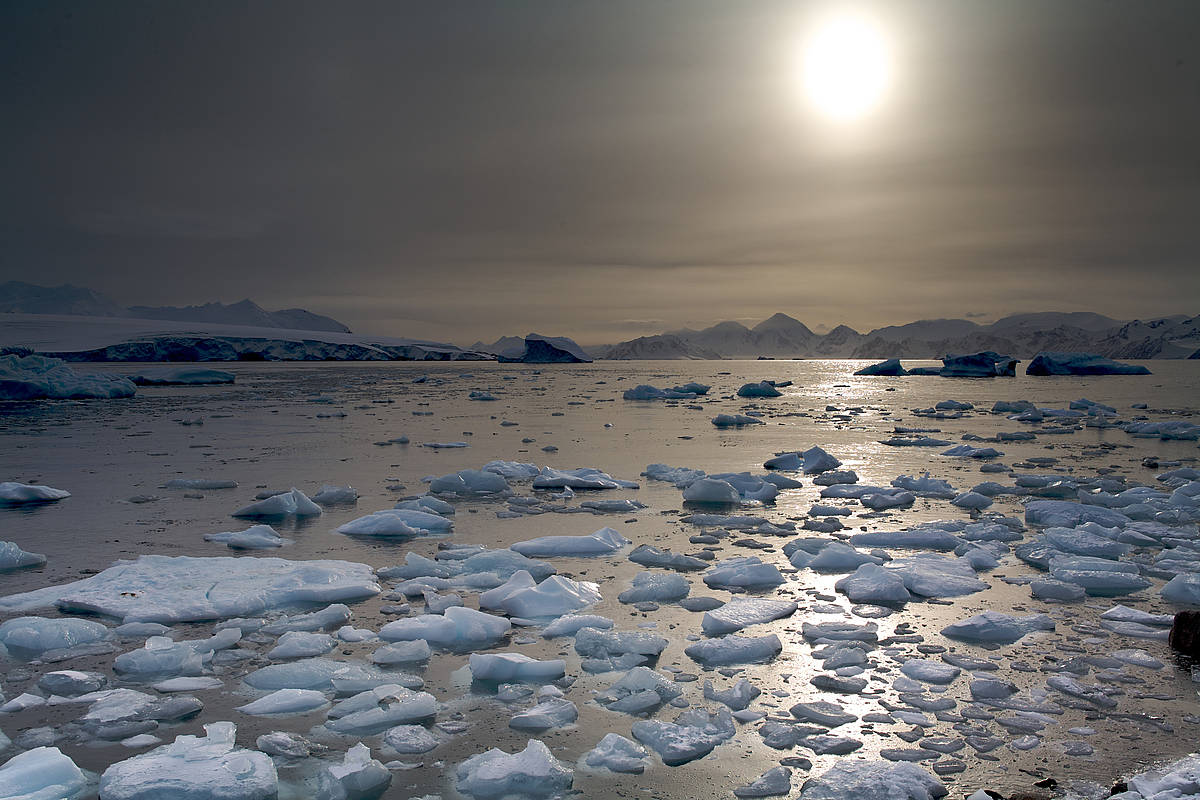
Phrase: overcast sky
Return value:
(603, 170)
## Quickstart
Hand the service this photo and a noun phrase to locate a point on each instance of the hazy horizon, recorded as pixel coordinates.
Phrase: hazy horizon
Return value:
(602, 170)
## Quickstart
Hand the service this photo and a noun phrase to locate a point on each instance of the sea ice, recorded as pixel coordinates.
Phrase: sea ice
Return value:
(692, 735)
(285, 701)
(655, 587)
(180, 376)
(760, 389)
(257, 537)
(583, 478)
(993, 626)
(873, 780)
(410, 739)
(35, 635)
(871, 583)
(13, 557)
(741, 612)
(735, 420)
(743, 572)
(735, 650)
(43, 773)
(358, 777)
(301, 644)
(375, 710)
(552, 713)
(397, 522)
(1050, 363)
(515, 667)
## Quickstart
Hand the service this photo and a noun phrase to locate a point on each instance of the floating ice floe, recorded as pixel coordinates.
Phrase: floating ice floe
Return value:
(193, 768)
(180, 376)
(760, 389)
(873, 780)
(655, 587)
(285, 701)
(173, 589)
(570, 624)
(602, 542)
(735, 649)
(378, 708)
(743, 572)
(650, 556)
(889, 367)
(553, 713)
(470, 483)
(645, 391)
(741, 612)
(35, 635)
(200, 484)
(288, 504)
(34, 377)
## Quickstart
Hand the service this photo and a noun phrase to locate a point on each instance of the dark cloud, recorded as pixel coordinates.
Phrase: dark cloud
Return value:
(599, 169)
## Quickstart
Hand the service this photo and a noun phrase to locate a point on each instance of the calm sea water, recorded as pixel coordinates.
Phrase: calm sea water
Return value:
(282, 425)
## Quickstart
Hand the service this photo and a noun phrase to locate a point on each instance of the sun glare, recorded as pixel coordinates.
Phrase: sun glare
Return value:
(846, 67)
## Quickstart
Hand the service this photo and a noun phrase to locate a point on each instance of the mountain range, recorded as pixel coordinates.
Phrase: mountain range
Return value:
(1019, 335)
(18, 297)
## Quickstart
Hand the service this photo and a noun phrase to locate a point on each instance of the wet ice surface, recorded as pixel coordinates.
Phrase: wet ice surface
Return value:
(280, 427)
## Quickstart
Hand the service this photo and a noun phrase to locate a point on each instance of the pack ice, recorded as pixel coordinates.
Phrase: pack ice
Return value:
(172, 589)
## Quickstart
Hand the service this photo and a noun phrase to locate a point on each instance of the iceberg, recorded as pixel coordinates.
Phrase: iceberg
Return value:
(397, 523)
(374, 710)
(987, 364)
(1054, 363)
(470, 483)
(410, 739)
(655, 587)
(889, 367)
(873, 780)
(570, 624)
(735, 650)
(257, 537)
(741, 612)
(285, 701)
(583, 478)
(552, 713)
(760, 389)
(538, 349)
(35, 635)
(34, 377)
(993, 626)
(746, 572)
(172, 589)
(616, 753)
(692, 735)
(735, 420)
(358, 777)
(211, 767)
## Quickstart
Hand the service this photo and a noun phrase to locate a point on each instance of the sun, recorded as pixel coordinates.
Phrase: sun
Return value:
(847, 67)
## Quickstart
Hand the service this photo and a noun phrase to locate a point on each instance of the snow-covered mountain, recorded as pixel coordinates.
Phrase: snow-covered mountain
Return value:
(1019, 335)
(18, 297)
(245, 312)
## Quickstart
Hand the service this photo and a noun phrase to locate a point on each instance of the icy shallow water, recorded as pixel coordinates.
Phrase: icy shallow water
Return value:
(266, 431)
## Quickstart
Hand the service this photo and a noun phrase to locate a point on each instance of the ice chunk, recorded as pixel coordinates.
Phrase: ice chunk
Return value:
(324, 619)
(972, 501)
(741, 612)
(692, 735)
(200, 484)
(735, 650)
(410, 739)
(301, 644)
(43, 773)
(285, 701)
(772, 783)
(1183, 589)
(925, 486)
(1061, 513)
(515, 667)
(744, 572)
(470, 482)
(735, 420)
(552, 713)
(20, 493)
(987, 364)
(569, 624)
(13, 557)
(71, 683)
(375, 710)
(593, 643)
(321, 674)
(829, 715)
(194, 768)
(656, 587)
(873, 780)
(760, 389)
(873, 584)
(737, 697)
(397, 522)
(932, 575)
(639, 690)
(520, 596)
(602, 542)
(616, 753)
(922, 669)
(993, 626)
(402, 653)
(182, 588)
(358, 777)
(650, 556)
(31, 636)
(289, 504)
(711, 491)
(457, 627)
(583, 478)
(257, 537)
(532, 773)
